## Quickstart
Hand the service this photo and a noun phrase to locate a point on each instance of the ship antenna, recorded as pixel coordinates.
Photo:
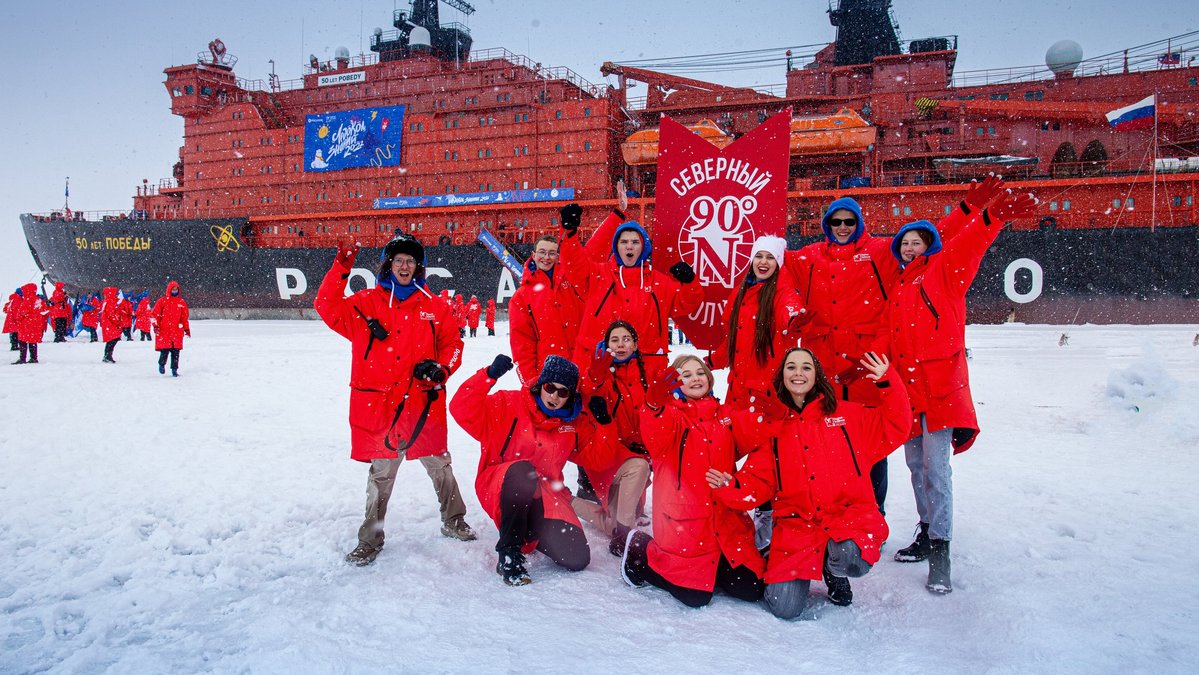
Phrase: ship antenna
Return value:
(66, 198)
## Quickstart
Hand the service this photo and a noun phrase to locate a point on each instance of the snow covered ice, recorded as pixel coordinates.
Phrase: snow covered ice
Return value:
(151, 524)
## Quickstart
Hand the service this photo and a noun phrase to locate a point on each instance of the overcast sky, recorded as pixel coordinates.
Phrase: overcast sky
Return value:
(83, 96)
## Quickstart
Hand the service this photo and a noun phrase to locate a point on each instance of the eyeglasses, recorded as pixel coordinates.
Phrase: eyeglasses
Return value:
(404, 262)
(552, 389)
(847, 222)
(546, 254)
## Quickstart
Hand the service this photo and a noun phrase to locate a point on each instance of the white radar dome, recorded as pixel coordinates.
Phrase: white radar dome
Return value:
(1063, 57)
(419, 37)
(341, 53)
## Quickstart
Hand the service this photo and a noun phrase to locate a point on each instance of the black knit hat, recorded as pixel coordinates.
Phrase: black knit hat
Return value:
(559, 371)
(406, 244)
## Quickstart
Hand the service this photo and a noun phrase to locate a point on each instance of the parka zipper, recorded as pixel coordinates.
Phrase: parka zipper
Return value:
(778, 471)
(511, 430)
(682, 444)
(929, 303)
(605, 298)
(852, 454)
(879, 278)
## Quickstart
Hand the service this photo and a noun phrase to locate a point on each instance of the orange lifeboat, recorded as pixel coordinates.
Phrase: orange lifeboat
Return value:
(843, 131)
(642, 147)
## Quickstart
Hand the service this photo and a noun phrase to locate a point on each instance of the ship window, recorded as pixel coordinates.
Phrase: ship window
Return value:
(586, 145)
(1057, 126)
(175, 91)
(516, 118)
(1129, 203)
(418, 191)
(1176, 200)
(907, 210)
(490, 121)
(516, 152)
(1190, 199)
(480, 154)
(455, 155)
(189, 90)
(978, 131)
(482, 121)
(295, 167)
(488, 152)
(586, 112)
(268, 168)
(1116, 203)
(524, 150)
(1044, 126)
(557, 147)
(1053, 206)
(524, 117)
(990, 131)
(447, 124)
(948, 209)
(1034, 95)
(480, 187)
(895, 211)
(454, 123)
(525, 185)
(557, 114)
(1192, 81)
(197, 174)
(447, 154)
(999, 97)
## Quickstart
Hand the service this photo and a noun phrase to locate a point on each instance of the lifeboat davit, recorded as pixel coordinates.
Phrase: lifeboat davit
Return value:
(642, 147)
(843, 131)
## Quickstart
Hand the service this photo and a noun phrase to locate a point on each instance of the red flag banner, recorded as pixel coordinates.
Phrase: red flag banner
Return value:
(712, 204)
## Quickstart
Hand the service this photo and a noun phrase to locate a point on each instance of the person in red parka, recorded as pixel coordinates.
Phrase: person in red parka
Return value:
(31, 312)
(926, 337)
(758, 339)
(460, 315)
(474, 309)
(812, 459)
(143, 322)
(126, 317)
(616, 280)
(543, 314)
(170, 318)
(403, 348)
(60, 312)
(113, 316)
(489, 317)
(10, 318)
(618, 377)
(90, 316)
(527, 436)
(699, 543)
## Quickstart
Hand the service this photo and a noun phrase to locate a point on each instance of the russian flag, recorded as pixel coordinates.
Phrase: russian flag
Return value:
(1139, 115)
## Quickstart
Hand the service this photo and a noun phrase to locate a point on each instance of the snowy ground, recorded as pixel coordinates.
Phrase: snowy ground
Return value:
(152, 525)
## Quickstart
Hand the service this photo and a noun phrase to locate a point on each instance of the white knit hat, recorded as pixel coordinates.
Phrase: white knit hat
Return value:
(775, 246)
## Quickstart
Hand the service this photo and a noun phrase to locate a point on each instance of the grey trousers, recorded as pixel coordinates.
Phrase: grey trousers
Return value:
(788, 599)
(932, 479)
(381, 480)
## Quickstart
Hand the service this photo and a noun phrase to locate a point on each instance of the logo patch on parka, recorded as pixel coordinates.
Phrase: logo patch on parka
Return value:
(861, 257)
(427, 316)
(834, 421)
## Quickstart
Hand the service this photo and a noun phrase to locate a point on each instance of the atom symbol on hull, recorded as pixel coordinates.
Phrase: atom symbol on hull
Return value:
(225, 241)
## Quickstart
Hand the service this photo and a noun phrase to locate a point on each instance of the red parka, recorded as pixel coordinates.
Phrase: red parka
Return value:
(749, 377)
(692, 529)
(388, 405)
(171, 319)
(60, 303)
(489, 315)
(641, 295)
(511, 428)
(459, 311)
(143, 321)
(90, 318)
(10, 312)
(927, 330)
(816, 469)
(32, 312)
(473, 311)
(623, 391)
(543, 320)
(113, 315)
(126, 313)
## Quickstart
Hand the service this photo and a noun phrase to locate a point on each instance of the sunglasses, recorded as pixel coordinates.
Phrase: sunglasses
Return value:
(552, 389)
(847, 222)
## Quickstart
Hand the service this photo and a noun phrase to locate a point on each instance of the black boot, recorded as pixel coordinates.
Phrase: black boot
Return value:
(635, 563)
(839, 592)
(918, 550)
(511, 567)
(938, 567)
(586, 491)
(616, 545)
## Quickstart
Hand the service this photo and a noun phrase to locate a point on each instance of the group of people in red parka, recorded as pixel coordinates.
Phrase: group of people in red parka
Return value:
(837, 354)
(109, 314)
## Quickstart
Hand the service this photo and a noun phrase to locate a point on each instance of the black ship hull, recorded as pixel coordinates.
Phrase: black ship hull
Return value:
(1122, 275)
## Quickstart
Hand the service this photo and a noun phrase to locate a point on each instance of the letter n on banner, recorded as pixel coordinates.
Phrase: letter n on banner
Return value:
(712, 204)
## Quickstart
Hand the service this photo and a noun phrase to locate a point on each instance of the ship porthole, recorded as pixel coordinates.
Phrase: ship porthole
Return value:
(1034, 279)
(1048, 223)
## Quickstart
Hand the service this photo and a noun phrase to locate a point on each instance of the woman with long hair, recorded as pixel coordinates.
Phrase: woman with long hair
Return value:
(812, 458)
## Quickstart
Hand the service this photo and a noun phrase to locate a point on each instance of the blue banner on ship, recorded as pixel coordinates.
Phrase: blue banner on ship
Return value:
(501, 253)
(476, 198)
(353, 138)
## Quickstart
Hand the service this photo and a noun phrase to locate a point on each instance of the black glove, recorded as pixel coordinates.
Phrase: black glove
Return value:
(683, 272)
(599, 409)
(572, 215)
(500, 365)
(430, 371)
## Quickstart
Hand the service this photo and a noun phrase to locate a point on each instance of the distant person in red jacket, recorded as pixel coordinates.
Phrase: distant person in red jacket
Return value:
(10, 318)
(403, 349)
(527, 435)
(60, 312)
(113, 316)
(489, 317)
(143, 321)
(460, 315)
(171, 323)
(473, 311)
(90, 316)
(126, 317)
(31, 313)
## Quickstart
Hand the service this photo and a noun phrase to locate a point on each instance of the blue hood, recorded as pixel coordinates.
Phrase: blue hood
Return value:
(935, 247)
(647, 248)
(850, 205)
